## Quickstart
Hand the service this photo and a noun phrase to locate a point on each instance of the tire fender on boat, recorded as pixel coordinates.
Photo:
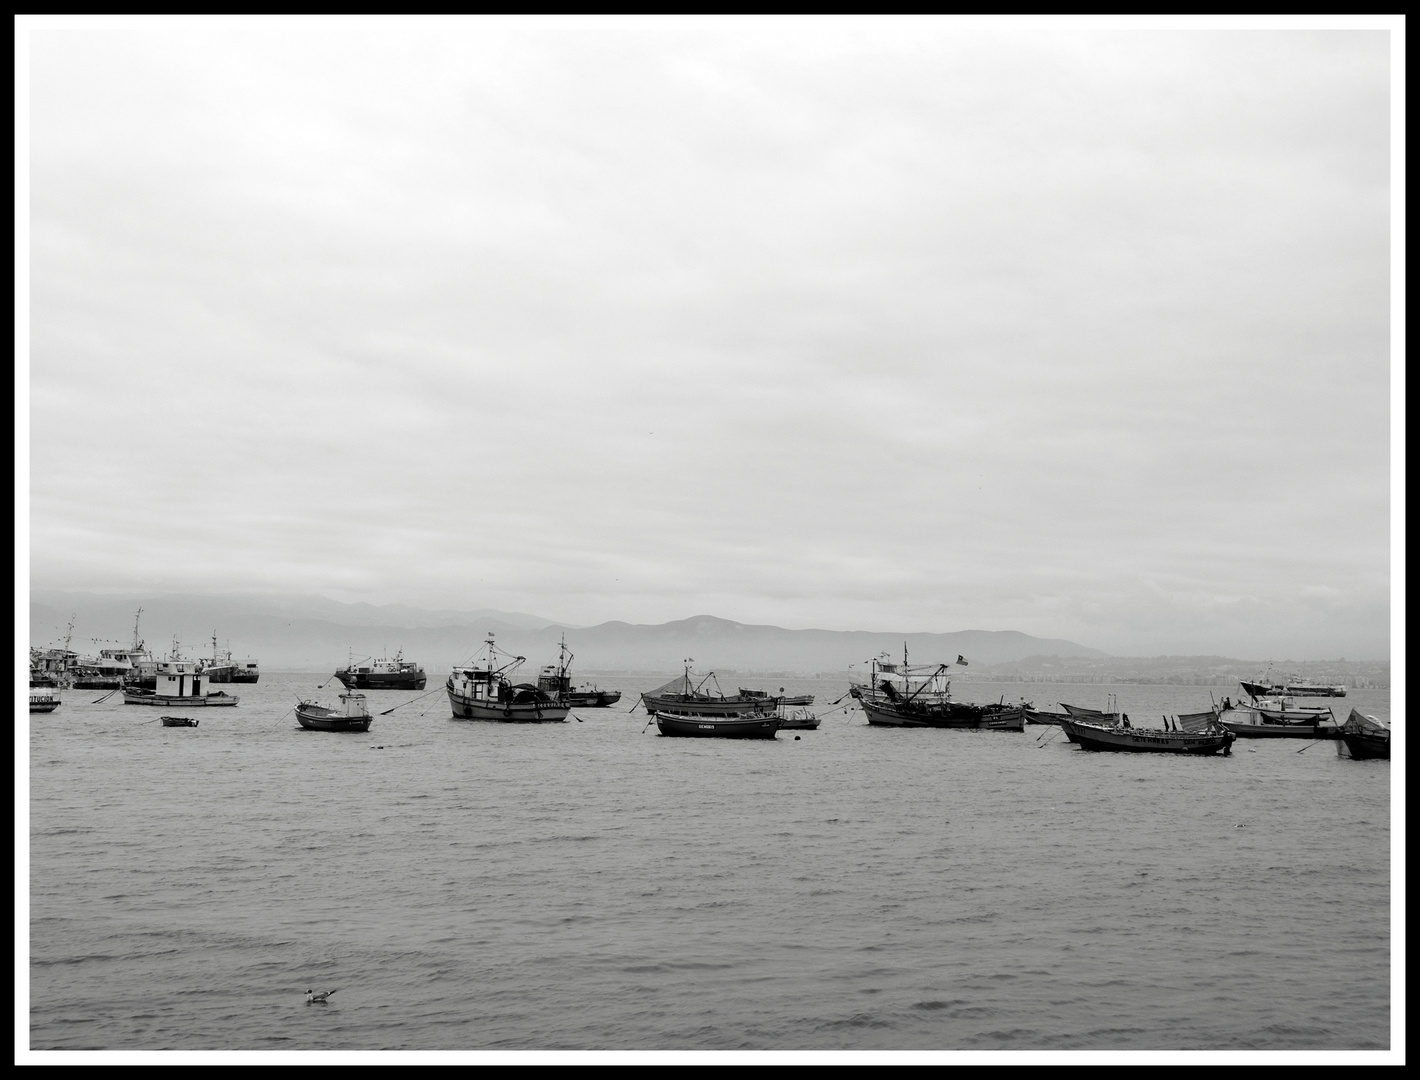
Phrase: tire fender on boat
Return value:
(507, 714)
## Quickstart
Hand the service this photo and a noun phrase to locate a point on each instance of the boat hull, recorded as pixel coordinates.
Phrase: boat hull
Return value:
(1366, 747)
(506, 712)
(1258, 690)
(140, 697)
(178, 721)
(1248, 729)
(592, 699)
(1036, 716)
(378, 681)
(706, 707)
(707, 727)
(315, 722)
(1144, 741)
(955, 714)
(43, 704)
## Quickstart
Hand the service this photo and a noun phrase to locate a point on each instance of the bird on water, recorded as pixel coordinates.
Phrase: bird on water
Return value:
(312, 998)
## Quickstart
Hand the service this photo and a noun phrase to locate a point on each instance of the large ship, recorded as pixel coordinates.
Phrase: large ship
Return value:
(392, 674)
(222, 668)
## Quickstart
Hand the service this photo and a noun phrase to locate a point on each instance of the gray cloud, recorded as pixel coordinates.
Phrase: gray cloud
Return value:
(891, 324)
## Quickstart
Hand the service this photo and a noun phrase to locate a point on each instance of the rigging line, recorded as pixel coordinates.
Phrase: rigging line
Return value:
(411, 701)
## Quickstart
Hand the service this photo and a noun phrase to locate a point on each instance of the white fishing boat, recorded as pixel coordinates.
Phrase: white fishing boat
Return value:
(178, 683)
(484, 690)
(353, 714)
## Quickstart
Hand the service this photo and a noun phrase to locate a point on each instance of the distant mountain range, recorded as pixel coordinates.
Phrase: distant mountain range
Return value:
(312, 633)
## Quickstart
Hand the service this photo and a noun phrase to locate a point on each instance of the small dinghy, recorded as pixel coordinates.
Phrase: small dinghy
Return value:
(178, 721)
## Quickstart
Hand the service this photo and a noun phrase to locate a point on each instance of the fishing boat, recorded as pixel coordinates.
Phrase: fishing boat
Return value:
(764, 726)
(555, 680)
(484, 690)
(142, 665)
(43, 699)
(1285, 710)
(395, 673)
(177, 721)
(245, 671)
(1043, 716)
(899, 695)
(685, 697)
(1364, 737)
(1125, 738)
(1291, 689)
(216, 668)
(782, 699)
(177, 683)
(797, 718)
(352, 715)
(1249, 724)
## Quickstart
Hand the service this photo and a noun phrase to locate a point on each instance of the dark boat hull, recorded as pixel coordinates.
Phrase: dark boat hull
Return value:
(1366, 747)
(1247, 730)
(705, 707)
(333, 723)
(375, 681)
(1292, 690)
(705, 727)
(1144, 741)
(592, 699)
(178, 721)
(960, 715)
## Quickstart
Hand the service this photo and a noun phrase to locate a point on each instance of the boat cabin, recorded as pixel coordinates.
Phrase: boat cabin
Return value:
(178, 678)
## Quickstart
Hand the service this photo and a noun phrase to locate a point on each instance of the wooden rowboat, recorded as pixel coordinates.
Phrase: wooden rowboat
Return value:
(718, 727)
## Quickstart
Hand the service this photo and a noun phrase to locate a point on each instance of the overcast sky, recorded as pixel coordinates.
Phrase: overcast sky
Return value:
(880, 324)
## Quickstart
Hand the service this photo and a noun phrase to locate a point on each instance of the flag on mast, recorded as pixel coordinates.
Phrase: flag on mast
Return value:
(961, 660)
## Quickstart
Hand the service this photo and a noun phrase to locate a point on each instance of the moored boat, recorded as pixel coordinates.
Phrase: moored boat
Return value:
(245, 671)
(395, 673)
(1364, 737)
(1125, 738)
(222, 667)
(43, 699)
(798, 718)
(483, 690)
(352, 715)
(763, 726)
(782, 699)
(684, 697)
(1246, 724)
(177, 683)
(1291, 689)
(555, 680)
(177, 721)
(1285, 710)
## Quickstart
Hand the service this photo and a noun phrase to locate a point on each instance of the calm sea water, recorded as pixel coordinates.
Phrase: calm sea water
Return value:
(593, 886)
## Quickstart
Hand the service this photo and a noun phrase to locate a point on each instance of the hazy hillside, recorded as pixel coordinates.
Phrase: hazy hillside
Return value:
(313, 633)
